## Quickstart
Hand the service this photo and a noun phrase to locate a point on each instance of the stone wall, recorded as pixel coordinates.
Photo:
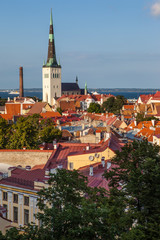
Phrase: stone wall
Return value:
(24, 157)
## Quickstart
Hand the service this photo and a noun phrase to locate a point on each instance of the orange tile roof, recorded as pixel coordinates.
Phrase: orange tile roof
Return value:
(128, 107)
(50, 114)
(13, 108)
(7, 116)
(40, 166)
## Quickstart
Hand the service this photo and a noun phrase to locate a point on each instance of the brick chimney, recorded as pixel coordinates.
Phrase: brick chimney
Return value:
(21, 94)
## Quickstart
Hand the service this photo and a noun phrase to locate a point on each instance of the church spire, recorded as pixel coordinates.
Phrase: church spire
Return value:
(85, 90)
(51, 59)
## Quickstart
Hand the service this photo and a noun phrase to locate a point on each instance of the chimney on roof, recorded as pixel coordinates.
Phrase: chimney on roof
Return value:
(153, 122)
(122, 117)
(21, 93)
(28, 168)
(91, 171)
(107, 136)
(42, 147)
(55, 144)
(135, 123)
(47, 172)
(8, 99)
(87, 147)
(103, 161)
(60, 166)
(108, 165)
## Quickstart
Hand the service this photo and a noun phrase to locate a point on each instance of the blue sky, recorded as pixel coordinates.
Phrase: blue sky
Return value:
(106, 43)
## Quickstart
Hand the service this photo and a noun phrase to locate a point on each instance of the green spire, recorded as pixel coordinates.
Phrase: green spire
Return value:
(44, 63)
(85, 86)
(59, 62)
(51, 19)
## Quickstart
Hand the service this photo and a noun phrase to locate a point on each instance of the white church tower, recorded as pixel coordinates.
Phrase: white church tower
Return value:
(51, 71)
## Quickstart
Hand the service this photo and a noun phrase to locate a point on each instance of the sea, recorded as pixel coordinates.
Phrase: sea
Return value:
(38, 93)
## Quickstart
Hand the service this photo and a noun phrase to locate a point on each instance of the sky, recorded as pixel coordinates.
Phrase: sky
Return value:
(106, 43)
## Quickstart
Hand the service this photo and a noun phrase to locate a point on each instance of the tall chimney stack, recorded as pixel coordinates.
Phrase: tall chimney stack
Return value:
(21, 94)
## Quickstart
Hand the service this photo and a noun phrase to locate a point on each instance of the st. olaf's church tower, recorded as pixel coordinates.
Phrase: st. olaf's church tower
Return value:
(51, 71)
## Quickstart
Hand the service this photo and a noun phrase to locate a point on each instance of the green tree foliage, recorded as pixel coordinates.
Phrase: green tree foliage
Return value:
(94, 107)
(72, 210)
(3, 101)
(59, 110)
(140, 117)
(49, 133)
(129, 211)
(4, 132)
(24, 133)
(135, 185)
(113, 104)
(27, 132)
(70, 215)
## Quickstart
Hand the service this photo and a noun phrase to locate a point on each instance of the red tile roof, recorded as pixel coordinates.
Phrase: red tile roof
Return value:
(156, 96)
(23, 178)
(145, 98)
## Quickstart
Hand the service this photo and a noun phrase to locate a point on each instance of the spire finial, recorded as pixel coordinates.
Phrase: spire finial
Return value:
(76, 79)
(51, 19)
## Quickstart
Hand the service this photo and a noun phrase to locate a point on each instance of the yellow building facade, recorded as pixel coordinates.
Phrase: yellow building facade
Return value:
(81, 160)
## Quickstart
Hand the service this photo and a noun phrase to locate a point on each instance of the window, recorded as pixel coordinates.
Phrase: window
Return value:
(53, 86)
(5, 196)
(57, 75)
(15, 198)
(53, 75)
(71, 165)
(15, 214)
(26, 216)
(46, 75)
(5, 206)
(26, 201)
(57, 86)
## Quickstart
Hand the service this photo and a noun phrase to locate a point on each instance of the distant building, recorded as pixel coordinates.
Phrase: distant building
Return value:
(51, 71)
(51, 75)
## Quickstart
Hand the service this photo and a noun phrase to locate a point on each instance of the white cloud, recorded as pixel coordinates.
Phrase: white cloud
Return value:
(155, 9)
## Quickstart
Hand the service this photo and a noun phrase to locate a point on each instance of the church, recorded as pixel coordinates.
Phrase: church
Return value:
(51, 74)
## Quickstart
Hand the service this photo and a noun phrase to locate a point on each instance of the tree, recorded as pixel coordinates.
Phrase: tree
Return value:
(109, 104)
(4, 132)
(113, 104)
(49, 133)
(25, 133)
(140, 117)
(134, 183)
(3, 101)
(69, 209)
(75, 211)
(59, 110)
(94, 107)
